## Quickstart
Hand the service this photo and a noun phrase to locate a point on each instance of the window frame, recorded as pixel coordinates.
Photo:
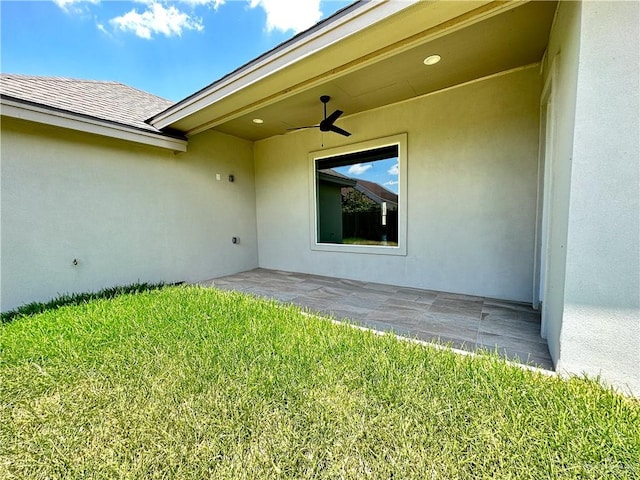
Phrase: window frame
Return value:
(401, 249)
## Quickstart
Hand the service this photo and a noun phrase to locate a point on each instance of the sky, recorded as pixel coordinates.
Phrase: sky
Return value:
(383, 172)
(169, 48)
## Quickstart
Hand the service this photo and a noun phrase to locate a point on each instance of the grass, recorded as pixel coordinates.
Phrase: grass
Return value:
(364, 241)
(76, 299)
(187, 382)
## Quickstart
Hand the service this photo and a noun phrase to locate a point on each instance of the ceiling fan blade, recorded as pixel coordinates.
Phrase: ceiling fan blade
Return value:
(333, 128)
(302, 128)
(327, 124)
(333, 117)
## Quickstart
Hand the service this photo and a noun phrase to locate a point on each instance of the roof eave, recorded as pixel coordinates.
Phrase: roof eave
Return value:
(333, 179)
(20, 109)
(347, 22)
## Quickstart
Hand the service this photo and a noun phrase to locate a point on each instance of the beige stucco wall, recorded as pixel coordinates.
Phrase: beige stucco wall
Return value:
(560, 76)
(600, 333)
(127, 213)
(472, 173)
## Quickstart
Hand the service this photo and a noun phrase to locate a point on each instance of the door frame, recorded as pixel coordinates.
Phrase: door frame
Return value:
(544, 222)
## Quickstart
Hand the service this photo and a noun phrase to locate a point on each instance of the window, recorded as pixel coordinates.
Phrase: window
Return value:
(359, 197)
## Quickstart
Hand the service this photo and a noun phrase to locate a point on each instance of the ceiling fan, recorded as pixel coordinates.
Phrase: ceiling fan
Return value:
(327, 125)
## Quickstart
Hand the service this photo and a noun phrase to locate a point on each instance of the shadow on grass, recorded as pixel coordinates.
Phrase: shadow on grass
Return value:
(76, 299)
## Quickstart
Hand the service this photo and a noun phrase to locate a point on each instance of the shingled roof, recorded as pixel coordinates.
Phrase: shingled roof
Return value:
(109, 101)
(377, 192)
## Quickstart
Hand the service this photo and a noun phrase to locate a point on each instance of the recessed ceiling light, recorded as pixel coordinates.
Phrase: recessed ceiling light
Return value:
(258, 120)
(432, 59)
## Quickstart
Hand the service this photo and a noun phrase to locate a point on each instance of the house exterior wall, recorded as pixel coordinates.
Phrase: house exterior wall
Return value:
(560, 76)
(126, 212)
(600, 332)
(472, 181)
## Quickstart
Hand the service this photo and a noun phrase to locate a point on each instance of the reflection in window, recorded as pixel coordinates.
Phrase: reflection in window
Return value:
(357, 197)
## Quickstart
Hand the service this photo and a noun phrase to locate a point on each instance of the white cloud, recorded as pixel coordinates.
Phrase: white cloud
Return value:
(214, 3)
(73, 5)
(157, 19)
(391, 183)
(394, 170)
(358, 169)
(102, 29)
(283, 15)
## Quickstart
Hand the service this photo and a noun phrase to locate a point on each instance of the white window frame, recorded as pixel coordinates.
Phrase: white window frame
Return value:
(401, 249)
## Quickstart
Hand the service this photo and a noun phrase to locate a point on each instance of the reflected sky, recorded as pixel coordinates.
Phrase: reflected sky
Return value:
(383, 172)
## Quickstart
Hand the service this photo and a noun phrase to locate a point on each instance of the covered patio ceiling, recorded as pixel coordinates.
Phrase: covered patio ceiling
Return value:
(485, 39)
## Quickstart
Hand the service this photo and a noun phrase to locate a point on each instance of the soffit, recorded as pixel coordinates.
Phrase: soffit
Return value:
(483, 40)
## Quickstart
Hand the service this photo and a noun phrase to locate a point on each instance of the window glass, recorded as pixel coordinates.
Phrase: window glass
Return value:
(357, 198)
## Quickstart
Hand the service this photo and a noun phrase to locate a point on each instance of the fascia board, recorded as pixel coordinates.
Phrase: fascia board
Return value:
(409, 32)
(368, 14)
(19, 110)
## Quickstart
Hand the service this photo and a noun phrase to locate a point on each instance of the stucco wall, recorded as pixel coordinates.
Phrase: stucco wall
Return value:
(472, 173)
(127, 213)
(560, 75)
(601, 323)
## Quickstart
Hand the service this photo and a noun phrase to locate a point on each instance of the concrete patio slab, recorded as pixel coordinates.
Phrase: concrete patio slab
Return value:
(466, 322)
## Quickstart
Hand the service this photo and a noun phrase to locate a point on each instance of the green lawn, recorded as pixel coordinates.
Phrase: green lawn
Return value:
(364, 241)
(187, 382)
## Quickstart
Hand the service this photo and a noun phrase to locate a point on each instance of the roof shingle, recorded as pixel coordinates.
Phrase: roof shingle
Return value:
(110, 101)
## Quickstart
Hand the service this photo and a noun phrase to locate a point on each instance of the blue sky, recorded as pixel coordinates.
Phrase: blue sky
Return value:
(169, 48)
(382, 172)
